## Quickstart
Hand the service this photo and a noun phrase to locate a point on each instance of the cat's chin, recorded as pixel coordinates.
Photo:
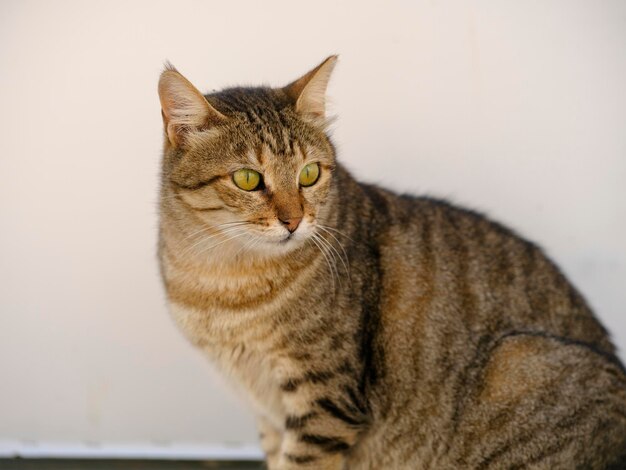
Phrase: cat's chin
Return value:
(280, 246)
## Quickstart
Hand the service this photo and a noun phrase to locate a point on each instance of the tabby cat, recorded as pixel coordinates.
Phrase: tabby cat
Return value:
(370, 330)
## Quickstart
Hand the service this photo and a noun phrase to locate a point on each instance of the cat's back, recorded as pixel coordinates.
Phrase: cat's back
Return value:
(486, 327)
(462, 268)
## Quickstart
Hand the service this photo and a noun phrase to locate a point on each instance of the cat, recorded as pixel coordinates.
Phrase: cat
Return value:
(370, 330)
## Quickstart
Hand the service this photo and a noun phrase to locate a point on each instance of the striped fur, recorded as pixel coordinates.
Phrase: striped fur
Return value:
(390, 332)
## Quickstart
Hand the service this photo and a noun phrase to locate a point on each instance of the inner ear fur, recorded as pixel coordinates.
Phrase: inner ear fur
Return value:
(183, 107)
(309, 91)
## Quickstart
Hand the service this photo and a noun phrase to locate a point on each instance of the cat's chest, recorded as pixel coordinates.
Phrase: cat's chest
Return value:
(237, 352)
(256, 375)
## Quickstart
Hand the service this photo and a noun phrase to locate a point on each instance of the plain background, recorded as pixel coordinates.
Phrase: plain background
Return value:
(515, 108)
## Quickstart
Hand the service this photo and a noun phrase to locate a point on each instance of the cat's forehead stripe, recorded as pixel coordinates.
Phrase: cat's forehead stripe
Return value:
(263, 109)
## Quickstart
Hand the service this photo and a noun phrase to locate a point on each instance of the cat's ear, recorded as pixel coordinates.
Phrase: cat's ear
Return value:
(183, 107)
(309, 91)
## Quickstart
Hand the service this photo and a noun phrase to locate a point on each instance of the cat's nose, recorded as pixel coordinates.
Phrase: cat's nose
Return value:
(292, 223)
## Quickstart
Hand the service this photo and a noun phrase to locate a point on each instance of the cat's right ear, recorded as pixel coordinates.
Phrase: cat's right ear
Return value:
(183, 107)
(309, 91)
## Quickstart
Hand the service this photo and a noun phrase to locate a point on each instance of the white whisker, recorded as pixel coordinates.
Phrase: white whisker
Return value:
(203, 229)
(206, 250)
(321, 248)
(258, 240)
(226, 231)
(345, 262)
(331, 251)
(248, 245)
(336, 231)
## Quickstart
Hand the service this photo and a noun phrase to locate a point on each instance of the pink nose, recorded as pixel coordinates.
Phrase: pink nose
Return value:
(292, 223)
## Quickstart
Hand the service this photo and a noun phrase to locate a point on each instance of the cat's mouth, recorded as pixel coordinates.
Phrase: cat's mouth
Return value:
(289, 236)
(288, 241)
(283, 239)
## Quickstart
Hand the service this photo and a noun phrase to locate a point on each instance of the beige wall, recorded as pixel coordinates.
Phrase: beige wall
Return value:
(517, 108)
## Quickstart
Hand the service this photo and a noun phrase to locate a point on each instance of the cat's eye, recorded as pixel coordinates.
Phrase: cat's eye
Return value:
(247, 179)
(309, 174)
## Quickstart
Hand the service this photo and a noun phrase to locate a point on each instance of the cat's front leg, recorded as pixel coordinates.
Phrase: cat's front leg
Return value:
(322, 425)
(297, 455)
(271, 440)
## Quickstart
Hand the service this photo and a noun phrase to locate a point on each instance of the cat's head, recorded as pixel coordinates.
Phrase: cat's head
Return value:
(249, 165)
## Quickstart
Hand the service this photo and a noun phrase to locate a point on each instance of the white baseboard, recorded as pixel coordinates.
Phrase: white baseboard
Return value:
(97, 450)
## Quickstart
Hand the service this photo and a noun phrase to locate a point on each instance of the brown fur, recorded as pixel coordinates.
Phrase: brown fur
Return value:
(390, 331)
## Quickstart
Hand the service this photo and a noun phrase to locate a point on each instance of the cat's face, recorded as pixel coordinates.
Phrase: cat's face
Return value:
(259, 196)
(253, 170)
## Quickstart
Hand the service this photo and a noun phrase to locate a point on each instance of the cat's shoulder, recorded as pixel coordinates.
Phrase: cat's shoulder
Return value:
(436, 207)
(415, 209)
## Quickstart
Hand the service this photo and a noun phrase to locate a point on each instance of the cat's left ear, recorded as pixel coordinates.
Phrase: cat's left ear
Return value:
(309, 91)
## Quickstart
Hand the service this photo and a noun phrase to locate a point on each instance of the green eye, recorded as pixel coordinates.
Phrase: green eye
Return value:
(247, 179)
(309, 174)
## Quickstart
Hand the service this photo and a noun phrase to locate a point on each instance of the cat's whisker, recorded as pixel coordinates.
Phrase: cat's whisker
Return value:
(243, 247)
(325, 228)
(336, 231)
(209, 237)
(344, 260)
(312, 239)
(331, 251)
(204, 229)
(332, 256)
(323, 251)
(225, 231)
(249, 245)
(237, 235)
(257, 242)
